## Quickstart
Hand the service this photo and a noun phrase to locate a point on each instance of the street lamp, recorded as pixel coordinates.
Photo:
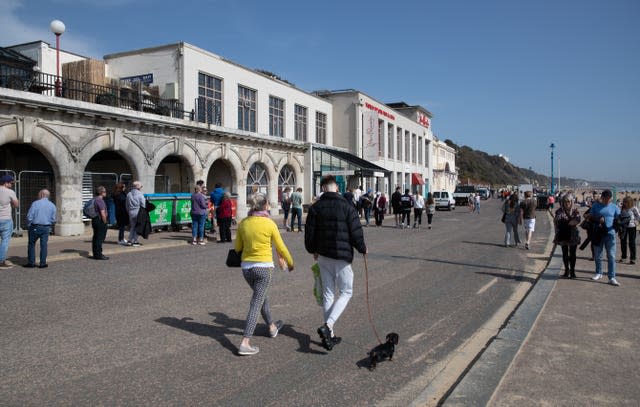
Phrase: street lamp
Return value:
(552, 146)
(57, 27)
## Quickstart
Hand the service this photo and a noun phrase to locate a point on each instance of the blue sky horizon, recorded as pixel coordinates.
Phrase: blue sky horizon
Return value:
(499, 76)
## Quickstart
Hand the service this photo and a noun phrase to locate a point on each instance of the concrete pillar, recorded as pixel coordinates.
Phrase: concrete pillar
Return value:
(69, 204)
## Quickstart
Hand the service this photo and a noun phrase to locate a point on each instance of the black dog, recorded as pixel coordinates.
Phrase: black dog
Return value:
(385, 350)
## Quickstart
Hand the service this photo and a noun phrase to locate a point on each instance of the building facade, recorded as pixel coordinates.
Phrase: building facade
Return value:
(396, 137)
(445, 176)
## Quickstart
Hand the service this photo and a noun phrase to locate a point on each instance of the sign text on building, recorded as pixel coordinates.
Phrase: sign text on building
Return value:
(380, 111)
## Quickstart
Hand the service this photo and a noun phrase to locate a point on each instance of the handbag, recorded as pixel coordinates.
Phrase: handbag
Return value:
(233, 258)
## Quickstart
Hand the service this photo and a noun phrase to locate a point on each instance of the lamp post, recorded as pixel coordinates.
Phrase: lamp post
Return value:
(552, 146)
(57, 27)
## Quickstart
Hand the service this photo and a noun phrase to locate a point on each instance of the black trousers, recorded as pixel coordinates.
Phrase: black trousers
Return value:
(569, 257)
(630, 237)
(224, 226)
(99, 234)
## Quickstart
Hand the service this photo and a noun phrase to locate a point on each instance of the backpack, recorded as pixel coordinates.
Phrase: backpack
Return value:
(89, 209)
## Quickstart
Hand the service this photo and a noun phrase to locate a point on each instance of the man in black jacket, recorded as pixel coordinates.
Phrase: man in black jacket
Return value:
(332, 230)
(395, 204)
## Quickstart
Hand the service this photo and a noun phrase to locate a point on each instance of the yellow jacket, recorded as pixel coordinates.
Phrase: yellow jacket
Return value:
(254, 237)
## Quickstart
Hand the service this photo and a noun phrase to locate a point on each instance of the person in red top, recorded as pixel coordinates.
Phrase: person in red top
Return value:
(224, 215)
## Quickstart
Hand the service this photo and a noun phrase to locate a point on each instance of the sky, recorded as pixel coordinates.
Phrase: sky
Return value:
(506, 77)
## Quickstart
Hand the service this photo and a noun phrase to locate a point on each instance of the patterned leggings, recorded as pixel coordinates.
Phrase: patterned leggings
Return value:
(258, 279)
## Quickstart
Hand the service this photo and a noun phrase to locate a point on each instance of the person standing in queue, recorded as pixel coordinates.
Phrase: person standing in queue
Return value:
(99, 224)
(8, 200)
(40, 217)
(135, 201)
(603, 213)
(332, 230)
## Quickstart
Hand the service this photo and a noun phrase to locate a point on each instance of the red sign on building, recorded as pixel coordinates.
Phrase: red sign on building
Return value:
(424, 120)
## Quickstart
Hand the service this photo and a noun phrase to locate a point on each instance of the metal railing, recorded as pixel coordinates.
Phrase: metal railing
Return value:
(125, 97)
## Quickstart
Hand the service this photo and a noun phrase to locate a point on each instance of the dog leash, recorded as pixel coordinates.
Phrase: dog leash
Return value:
(366, 279)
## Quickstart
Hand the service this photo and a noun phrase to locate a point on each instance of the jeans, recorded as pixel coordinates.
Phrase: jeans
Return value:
(406, 215)
(6, 230)
(133, 221)
(630, 237)
(417, 214)
(335, 274)
(609, 243)
(35, 233)
(99, 234)
(296, 212)
(511, 229)
(197, 226)
(367, 214)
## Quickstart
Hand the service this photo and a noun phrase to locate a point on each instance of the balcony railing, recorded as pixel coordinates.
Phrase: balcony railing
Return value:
(130, 98)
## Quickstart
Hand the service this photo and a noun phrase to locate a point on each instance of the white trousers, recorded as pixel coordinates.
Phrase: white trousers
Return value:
(336, 275)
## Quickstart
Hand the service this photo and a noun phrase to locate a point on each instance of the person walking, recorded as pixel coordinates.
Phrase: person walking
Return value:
(566, 222)
(431, 209)
(198, 216)
(40, 217)
(296, 209)
(257, 234)
(512, 216)
(135, 201)
(406, 203)
(285, 202)
(379, 208)
(122, 218)
(332, 230)
(629, 235)
(99, 224)
(395, 205)
(366, 203)
(603, 213)
(476, 203)
(8, 200)
(418, 207)
(225, 216)
(528, 207)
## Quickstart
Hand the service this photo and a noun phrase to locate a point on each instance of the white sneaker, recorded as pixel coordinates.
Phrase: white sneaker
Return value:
(596, 277)
(248, 350)
(614, 282)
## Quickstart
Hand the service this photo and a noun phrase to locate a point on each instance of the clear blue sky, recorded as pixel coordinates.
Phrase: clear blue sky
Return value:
(502, 76)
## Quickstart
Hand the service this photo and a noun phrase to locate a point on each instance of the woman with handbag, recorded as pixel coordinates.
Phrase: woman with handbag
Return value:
(254, 239)
(566, 223)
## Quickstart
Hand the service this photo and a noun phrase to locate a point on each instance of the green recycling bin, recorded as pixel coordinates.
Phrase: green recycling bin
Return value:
(182, 214)
(162, 215)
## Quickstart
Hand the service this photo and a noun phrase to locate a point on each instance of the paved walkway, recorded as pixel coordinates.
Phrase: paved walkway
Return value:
(570, 342)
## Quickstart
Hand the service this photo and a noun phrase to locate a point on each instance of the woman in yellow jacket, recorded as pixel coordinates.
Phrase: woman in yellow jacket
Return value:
(255, 236)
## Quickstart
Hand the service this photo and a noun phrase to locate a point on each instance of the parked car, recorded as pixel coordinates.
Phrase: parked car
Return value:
(461, 194)
(484, 193)
(444, 200)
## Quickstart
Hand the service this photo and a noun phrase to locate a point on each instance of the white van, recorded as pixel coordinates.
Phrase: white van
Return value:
(444, 200)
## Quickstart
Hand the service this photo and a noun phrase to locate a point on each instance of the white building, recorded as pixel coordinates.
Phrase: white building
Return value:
(445, 177)
(396, 137)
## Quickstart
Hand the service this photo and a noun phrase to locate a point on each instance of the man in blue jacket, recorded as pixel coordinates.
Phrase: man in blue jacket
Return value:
(332, 230)
(605, 212)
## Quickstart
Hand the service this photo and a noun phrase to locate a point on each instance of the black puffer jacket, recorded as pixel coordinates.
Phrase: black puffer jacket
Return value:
(333, 228)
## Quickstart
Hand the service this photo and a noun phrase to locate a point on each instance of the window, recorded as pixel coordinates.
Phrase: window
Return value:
(407, 147)
(414, 149)
(257, 181)
(300, 115)
(390, 143)
(246, 109)
(321, 128)
(276, 116)
(209, 99)
(420, 150)
(380, 138)
(399, 145)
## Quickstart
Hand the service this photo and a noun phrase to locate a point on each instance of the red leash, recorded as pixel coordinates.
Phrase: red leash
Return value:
(366, 278)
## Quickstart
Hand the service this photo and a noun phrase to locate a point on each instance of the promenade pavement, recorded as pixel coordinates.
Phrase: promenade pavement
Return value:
(570, 342)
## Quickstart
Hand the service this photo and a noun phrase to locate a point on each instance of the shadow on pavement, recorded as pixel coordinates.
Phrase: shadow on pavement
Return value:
(530, 280)
(217, 333)
(455, 263)
(83, 253)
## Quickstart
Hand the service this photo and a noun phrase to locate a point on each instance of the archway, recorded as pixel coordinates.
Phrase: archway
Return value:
(257, 180)
(222, 173)
(32, 172)
(106, 168)
(174, 174)
(286, 178)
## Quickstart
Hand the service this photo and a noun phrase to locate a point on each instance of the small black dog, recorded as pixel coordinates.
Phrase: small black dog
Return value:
(385, 350)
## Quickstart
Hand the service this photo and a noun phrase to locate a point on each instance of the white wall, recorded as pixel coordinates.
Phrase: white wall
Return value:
(45, 55)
